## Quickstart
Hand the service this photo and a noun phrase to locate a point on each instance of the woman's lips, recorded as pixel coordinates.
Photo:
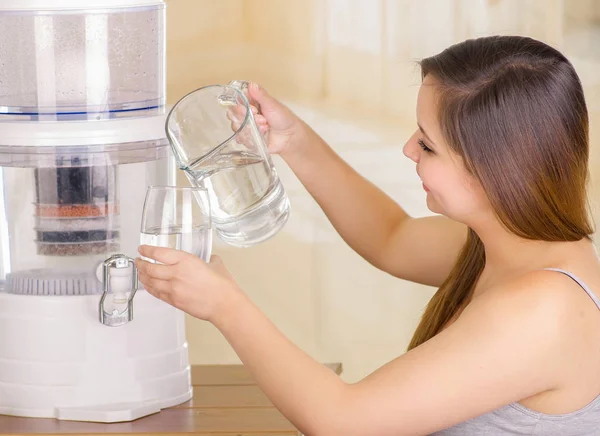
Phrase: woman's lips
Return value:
(424, 186)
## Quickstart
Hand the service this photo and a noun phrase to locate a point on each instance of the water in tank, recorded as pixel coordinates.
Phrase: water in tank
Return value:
(67, 63)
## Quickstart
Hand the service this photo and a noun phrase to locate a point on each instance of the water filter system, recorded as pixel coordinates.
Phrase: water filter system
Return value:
(82, 114)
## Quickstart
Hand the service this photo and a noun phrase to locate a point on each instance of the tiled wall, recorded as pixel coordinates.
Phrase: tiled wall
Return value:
(348, 68)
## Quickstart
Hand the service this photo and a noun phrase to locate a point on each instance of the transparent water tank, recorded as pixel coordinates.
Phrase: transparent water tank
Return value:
(72, 63)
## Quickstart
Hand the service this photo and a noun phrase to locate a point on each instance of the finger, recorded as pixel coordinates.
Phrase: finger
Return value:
(146, 286)
(162, 296)
(235, 126)
(235, 122)
(157, 291)
(153, 285)
(154, 270)
(260, 120)
(168, 256)
(233, 117)
(264, 101)
(165, 297)
(151, 291)
(243, 139)
(239, 111)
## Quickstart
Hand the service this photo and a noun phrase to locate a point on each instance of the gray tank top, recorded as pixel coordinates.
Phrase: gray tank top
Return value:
(516, 419)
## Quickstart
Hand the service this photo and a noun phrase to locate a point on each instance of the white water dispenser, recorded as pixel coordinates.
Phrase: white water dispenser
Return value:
(82, 108)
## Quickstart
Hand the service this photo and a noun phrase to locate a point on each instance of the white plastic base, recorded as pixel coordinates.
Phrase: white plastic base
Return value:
(58, 361)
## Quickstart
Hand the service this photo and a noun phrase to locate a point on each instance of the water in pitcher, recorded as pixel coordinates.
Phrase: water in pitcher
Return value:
(248, 203)
(197, 240)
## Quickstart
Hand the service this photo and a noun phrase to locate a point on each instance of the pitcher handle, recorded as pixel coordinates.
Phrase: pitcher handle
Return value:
(242, 85)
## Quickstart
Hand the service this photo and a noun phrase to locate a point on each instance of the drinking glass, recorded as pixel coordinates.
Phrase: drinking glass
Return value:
(179, 218)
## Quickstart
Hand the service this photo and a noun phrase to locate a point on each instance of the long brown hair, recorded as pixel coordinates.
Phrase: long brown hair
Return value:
(513, 109)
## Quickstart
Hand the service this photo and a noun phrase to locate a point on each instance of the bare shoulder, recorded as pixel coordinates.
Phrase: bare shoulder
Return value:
(544, 288)
(543, 301)
(534, 316)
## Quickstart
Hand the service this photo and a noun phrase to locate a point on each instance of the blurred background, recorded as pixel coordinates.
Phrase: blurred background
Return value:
(348, 67)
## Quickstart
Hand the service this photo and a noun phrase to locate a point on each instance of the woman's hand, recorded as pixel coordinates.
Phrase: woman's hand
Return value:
(203, 290)
(285, 132)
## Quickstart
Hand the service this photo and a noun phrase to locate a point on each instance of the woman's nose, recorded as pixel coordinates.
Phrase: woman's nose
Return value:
(412, 150)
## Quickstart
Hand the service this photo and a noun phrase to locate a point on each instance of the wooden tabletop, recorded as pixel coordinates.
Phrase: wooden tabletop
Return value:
(226, 402)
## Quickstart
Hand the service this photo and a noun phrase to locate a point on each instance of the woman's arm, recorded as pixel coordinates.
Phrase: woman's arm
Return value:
(503, 348)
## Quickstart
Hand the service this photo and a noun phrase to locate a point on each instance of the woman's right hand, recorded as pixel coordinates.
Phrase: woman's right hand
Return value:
(283, 130)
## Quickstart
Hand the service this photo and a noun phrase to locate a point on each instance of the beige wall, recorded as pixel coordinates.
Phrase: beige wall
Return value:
(355, 55)
(348, 68)
(204, 44)
(283, 42)
(269, 42)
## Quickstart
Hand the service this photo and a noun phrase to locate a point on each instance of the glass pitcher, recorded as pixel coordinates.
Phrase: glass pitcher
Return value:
(230, 160)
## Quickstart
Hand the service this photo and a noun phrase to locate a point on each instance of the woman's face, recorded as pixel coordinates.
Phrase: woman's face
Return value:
(451, 190)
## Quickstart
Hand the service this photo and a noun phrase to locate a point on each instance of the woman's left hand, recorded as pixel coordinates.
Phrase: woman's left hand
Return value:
(203, 290)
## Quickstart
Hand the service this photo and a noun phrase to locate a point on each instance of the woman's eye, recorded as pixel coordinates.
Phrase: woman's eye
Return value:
(424, 146)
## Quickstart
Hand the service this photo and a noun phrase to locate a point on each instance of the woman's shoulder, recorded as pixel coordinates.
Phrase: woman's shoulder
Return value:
(543, 299)
(544, 288)
(549, 287)
(551, 300)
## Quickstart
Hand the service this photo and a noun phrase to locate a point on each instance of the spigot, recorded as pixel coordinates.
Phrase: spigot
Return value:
(119, 285)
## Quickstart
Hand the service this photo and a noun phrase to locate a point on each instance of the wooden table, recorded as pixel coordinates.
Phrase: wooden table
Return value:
(226, 402)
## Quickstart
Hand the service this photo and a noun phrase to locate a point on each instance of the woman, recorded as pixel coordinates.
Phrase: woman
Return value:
(510, 343)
